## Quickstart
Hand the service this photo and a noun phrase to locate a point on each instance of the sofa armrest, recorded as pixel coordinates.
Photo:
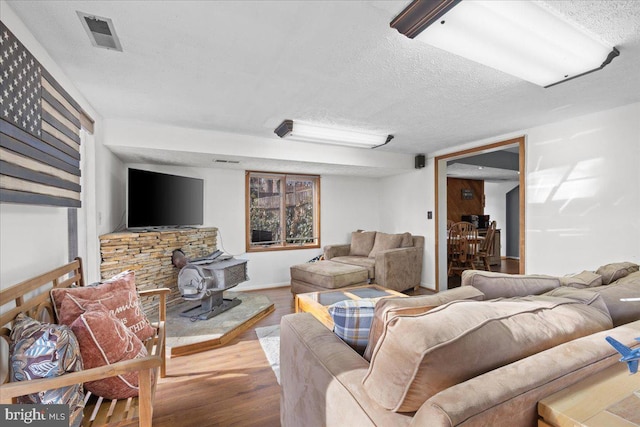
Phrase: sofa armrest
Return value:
(162, 294)
(321, 379)
(399, 269)
(20, 388)
(332, 251)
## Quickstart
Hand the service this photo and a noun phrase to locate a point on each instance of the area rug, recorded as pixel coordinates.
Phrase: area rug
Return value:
(269, 338)
(185, 336)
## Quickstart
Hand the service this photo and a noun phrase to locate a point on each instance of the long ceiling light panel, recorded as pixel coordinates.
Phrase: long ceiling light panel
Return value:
(307, 132)
(521, 38)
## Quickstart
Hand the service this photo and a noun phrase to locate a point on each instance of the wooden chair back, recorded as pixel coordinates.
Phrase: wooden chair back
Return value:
(487, 243)
(462, 246)
(486, 248)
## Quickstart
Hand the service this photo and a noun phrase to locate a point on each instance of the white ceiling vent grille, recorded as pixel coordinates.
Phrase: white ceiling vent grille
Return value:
(101, 31)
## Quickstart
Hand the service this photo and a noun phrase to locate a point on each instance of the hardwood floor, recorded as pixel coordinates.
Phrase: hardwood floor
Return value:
(510, 266)
(228, 386)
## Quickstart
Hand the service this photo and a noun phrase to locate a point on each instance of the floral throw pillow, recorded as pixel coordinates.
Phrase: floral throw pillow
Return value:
(43, 350)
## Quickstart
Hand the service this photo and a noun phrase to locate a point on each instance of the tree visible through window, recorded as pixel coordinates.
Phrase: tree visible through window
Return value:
(282, 211)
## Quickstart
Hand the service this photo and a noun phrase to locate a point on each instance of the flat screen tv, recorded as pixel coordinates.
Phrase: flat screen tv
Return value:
(162, 200)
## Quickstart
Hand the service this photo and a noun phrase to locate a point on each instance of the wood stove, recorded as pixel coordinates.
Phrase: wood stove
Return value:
(206, 280)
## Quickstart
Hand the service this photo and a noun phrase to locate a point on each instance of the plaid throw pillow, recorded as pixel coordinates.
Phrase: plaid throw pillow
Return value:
(352, 321)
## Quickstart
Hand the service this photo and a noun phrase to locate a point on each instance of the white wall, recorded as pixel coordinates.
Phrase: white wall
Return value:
(404, 203)
(496, 206)
(34, 240)
(583, 197)
(347, 204)
(582, 192)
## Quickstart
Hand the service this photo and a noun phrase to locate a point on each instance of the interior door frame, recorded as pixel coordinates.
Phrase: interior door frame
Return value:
(440, 167)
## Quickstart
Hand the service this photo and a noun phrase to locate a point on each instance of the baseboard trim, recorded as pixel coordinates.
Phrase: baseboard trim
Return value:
(249, 287)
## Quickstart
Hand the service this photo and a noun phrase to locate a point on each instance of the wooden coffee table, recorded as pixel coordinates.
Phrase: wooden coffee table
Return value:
(609, 398)
(317, 303)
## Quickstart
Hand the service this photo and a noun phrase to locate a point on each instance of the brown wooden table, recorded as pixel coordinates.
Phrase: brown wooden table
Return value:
(609, 398)
(317, 303)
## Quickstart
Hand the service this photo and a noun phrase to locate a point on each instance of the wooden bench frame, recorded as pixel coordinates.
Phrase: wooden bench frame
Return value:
(32, 297)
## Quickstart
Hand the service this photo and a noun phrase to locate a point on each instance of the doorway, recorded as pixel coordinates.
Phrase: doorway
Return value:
(441, 203)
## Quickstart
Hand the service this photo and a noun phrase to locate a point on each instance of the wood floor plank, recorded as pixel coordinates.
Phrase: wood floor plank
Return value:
(228, 386)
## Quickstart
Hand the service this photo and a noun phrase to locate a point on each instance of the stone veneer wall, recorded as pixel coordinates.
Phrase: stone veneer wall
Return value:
(149, 255)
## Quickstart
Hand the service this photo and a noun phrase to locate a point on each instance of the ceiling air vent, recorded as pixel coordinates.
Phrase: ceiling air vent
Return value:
(235, 162)
(101, 31)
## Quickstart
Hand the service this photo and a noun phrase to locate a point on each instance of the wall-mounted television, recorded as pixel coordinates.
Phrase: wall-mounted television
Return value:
(161, 200)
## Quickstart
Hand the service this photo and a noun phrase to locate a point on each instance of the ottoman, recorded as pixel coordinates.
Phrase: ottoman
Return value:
(325, 275)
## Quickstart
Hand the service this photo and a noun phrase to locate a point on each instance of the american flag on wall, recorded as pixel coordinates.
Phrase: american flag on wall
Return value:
(39, 131)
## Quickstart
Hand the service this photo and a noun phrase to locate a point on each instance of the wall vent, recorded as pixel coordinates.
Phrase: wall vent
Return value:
(101, 31)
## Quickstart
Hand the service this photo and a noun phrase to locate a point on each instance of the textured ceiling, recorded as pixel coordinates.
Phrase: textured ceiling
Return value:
(244, 66)
(460, 170)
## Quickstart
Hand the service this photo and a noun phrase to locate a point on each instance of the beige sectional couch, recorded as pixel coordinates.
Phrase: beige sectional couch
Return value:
(393, 261)
(455, 358)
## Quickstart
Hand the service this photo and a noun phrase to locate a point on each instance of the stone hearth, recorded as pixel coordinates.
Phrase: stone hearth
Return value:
(186, 336)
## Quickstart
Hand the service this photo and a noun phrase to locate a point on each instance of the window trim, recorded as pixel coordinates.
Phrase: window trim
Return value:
(284, 246)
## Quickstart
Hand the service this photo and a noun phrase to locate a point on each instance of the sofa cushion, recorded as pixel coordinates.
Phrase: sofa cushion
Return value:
(352, 321)
(421, 355)
(385, 241)
(407, 240)
(365, 262)
(497, 285)
(329, 274)
(105, 340)
(361, 243)
(43, 350)
(118, 294)
(584, 296)
(586, 279)
(387, 308)
(622, 311)
(617, 270)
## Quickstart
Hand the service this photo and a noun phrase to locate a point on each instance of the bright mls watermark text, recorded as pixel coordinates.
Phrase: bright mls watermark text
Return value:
(34, 415)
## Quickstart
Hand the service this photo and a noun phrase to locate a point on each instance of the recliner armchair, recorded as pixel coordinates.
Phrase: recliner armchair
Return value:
(393, 261)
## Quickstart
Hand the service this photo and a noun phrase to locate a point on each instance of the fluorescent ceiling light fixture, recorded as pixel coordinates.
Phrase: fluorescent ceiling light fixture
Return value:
(521, 38)
(307, 132)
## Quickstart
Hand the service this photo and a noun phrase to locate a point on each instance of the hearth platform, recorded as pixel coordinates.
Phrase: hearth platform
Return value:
(188, 335)
(211, 306)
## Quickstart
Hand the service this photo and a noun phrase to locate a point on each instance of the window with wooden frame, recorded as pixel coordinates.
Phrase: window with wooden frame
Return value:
(282, 211)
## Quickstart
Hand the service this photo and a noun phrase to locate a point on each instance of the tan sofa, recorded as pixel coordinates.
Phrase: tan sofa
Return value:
(465, 362)
(393, 261)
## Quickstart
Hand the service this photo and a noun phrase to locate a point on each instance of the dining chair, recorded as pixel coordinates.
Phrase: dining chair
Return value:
(486, 246)
(462, 247)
